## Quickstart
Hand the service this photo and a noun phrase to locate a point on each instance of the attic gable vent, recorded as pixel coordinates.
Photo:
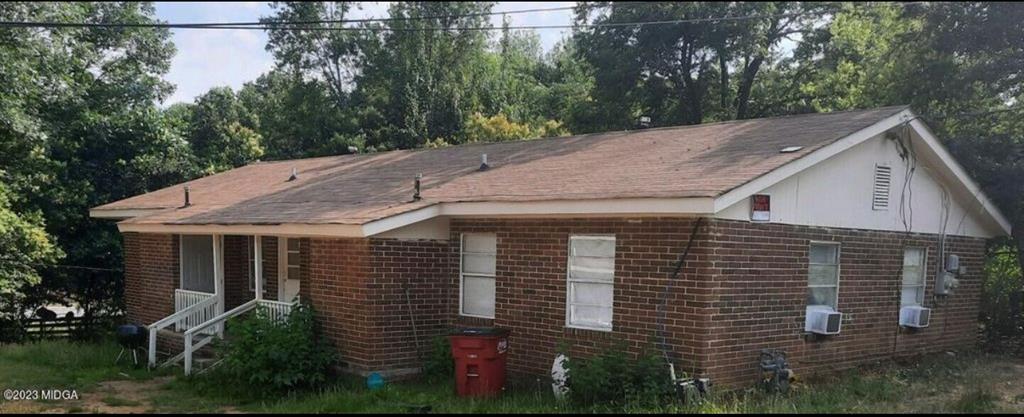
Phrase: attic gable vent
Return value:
(880, 192)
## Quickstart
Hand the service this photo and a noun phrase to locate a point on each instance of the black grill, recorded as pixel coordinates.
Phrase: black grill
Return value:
(132, 338)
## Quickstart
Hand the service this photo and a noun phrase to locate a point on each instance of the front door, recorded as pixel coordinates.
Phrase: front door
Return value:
(288, 269)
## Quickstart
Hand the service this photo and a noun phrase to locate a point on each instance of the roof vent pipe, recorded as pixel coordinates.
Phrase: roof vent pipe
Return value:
(483, 163)
(187, 200)
(416, 188)
(295, 174)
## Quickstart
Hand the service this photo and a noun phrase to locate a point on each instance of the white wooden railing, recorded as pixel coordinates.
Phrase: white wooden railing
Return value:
(209, 303)
(184, 300)
(276, 310)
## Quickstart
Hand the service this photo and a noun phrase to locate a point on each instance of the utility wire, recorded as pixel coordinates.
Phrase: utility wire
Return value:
(315, 25)
(305, 26)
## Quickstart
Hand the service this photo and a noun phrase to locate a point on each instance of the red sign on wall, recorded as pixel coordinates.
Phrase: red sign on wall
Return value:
(760, 207)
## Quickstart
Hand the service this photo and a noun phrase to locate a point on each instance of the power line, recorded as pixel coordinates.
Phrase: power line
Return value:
(299, 26)
(306, 25)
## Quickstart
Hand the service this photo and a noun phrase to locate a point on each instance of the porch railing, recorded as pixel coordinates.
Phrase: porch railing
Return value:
(276, 310)
(154, 329)
(185, 300)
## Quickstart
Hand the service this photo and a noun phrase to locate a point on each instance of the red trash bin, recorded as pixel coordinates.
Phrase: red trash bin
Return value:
(479, 355)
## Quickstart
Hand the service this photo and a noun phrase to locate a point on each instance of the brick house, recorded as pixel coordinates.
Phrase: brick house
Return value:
(830, 236)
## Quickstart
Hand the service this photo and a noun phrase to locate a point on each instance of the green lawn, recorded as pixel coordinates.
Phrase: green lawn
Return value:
(974, 383)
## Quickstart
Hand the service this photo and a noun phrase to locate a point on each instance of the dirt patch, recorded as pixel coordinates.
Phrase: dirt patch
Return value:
(110, 397)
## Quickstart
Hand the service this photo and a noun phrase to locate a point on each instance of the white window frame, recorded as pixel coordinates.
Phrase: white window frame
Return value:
(250, 250)
(181, 256)
(924, 274)
(839, 274)
(463, 274)
(283, 267)
(569, 280)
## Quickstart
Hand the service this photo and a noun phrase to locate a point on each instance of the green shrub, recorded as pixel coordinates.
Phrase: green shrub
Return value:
(616, 379)
(1001, 311)
(439, 364)
(270, 356)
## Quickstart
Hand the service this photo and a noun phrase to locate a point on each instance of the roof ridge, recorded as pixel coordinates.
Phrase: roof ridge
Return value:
(593, 134)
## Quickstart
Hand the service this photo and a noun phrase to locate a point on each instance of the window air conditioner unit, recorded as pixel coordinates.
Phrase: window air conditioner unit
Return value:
(915, 316)
(823, 320)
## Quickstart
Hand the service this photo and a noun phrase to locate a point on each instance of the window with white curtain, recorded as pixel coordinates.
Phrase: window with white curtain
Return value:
(823, 275)
(196, 261)
(912, 293)
(591, 282)
(477, 275)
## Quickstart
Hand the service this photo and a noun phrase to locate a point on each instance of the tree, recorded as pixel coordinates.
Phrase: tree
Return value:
(25, 248)
(83, 132)
(222, 131)
(297, 117)
(688, 73)
(419, 76)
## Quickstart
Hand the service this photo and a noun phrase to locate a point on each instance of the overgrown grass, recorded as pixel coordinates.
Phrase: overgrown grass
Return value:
(62, 364)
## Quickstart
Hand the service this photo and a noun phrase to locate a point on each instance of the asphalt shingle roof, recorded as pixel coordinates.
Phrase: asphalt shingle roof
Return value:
(686, 161)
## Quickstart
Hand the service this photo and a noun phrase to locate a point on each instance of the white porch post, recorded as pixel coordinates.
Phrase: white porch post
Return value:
(218, 277)
(258, 251)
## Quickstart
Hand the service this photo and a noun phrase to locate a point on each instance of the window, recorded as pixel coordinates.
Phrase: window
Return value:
(251, 251)
(591, 282)
(912, 293)
(293, 258)
(823, 275)
(196, 260)
(880, 190)
(479, 252)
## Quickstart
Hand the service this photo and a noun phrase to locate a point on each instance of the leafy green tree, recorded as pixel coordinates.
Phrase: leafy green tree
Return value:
(222, 131)
(25, 248)
(297, 117)
(419, 75)
(329, 55)
(689, 73)
(79, 127)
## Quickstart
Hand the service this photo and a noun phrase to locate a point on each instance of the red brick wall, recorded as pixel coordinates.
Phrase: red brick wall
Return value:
(760, 281)
(411, 287)
(337, 288)
(530, 291)
(742, 289)
(150, 276)
(358, 287)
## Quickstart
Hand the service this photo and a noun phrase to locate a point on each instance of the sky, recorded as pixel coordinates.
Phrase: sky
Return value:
(215, 58)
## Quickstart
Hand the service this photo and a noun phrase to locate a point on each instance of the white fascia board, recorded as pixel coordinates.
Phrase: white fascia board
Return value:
(556, 208)
(559, 208)
(781, 173)
(961, 175)
(121, 214)
(286, 230)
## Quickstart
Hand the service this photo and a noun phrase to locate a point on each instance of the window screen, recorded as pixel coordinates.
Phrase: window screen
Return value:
(823, 275)
(479, 251)
(912, 293)
(591, 281)
(197, 263)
